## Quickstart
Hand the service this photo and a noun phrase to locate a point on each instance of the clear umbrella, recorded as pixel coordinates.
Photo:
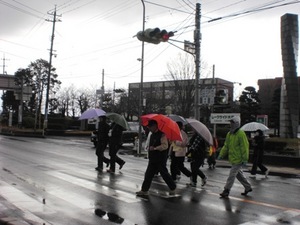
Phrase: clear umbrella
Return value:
(201, 129)
(254, 126)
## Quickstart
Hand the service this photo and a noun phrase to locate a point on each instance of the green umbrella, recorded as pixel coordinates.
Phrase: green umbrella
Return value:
(118, 119)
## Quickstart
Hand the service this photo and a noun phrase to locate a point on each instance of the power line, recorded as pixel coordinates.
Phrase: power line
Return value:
(19, 9)
(253, 11)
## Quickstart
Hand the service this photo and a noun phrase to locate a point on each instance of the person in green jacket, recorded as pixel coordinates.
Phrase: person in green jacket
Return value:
(236, 147)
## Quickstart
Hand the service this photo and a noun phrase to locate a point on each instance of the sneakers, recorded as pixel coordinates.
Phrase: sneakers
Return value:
(172, 192)
(267, 173)
(246, 192)
(142, 193)
(204, 180)
(224, 194)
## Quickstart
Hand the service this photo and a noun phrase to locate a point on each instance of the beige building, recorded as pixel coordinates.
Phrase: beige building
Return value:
(158, 95)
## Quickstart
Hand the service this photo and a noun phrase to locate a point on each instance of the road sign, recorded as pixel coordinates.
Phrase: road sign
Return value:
(222, 118)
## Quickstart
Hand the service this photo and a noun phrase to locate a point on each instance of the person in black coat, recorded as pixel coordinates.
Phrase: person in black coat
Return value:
(158, 154)
(102, 141)
(197, 149)
(115, 143)
(258, 154)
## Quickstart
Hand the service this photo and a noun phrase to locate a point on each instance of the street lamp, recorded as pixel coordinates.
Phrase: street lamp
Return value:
(141, 87)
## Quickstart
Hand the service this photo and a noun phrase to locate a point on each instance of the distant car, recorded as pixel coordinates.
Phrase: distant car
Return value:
(128, 136)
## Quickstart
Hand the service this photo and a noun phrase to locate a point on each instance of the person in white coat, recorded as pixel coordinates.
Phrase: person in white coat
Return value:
(178, 150)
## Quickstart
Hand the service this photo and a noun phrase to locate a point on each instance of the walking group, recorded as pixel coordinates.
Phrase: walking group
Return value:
(110, 135)
(160, 148)
(236, 148)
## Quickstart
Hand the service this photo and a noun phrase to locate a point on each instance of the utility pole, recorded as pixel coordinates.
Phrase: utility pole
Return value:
(102, 89)
(3, 65)
(49, 69)
(139, 149)
(197, 42)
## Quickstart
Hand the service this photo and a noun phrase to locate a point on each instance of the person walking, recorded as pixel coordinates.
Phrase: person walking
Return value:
(197, 150)
(102, 141)
(115, 142)
(158, 153)
(258, 154)
(211, 160)
(236, 147)
(178, 151)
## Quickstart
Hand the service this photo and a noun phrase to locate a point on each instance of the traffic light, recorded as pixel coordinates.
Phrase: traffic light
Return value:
(221, 97)
(154, 35)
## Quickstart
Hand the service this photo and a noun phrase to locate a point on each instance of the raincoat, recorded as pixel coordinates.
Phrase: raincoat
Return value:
(236, 146)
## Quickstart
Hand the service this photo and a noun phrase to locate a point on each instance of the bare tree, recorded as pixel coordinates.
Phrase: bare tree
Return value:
(182, 72)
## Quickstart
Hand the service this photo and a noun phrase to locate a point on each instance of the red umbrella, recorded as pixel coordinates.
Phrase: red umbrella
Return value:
(165, 124)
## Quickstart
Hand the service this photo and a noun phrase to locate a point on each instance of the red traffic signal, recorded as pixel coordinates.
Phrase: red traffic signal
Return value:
(154, 36)
(166, 35)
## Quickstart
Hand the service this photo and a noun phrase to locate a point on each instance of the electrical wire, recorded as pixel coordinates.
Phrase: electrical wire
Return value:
(259, 9)
(19, 9)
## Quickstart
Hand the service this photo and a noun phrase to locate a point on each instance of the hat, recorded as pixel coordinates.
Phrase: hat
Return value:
(151, 123)
(235, 119)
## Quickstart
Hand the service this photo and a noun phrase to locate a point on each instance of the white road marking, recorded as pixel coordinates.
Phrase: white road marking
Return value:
(24, 203)
(102, 189)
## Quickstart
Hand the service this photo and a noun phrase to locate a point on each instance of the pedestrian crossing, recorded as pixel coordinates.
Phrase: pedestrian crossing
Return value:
(28, 205)
(123, 190)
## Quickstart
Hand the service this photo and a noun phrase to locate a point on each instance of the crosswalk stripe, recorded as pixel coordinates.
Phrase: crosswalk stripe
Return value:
(24, 202)
(102, 189)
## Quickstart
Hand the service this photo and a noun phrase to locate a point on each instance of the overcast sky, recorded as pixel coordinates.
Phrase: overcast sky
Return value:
(98, 34)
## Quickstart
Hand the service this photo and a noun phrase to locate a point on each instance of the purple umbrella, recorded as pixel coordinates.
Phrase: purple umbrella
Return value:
(92, 113)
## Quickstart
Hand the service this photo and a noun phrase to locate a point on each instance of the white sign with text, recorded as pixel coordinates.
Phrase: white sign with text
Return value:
(222, 118)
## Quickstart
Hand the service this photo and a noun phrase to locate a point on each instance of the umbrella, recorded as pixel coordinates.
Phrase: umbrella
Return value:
(178, 118)
(165, 124)
(92, 113)
(118, 119)
(254, 126)
(202, 130)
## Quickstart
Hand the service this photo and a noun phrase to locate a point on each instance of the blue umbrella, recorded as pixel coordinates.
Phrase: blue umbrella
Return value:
(92, 113)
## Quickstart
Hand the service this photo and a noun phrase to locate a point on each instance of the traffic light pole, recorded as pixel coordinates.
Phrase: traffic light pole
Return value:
(197, 40)
(139, 150)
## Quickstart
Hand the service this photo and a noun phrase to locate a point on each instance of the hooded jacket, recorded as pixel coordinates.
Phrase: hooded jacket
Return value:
(236, 145)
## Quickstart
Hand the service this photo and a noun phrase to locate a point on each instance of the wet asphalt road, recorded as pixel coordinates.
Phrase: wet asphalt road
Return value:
(53, 181)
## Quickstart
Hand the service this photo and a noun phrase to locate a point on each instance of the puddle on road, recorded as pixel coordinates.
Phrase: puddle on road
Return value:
(112, 217)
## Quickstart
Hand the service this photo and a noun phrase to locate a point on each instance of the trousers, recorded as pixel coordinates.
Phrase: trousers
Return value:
(236, 172)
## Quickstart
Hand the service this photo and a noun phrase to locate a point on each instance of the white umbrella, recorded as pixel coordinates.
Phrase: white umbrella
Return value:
(92, 113)
(254, 126)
